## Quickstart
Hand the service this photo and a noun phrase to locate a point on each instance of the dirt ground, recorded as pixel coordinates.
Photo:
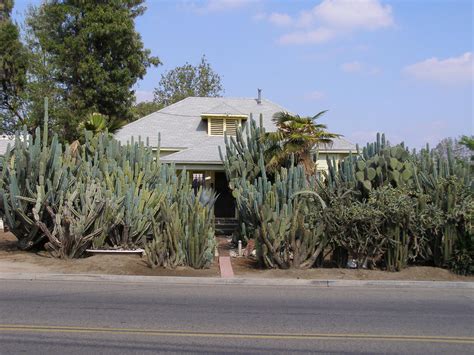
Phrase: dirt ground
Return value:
(247, 267)
(13, 260)
(244, 267)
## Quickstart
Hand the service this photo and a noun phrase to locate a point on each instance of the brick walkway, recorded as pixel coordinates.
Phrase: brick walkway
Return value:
(225, 264)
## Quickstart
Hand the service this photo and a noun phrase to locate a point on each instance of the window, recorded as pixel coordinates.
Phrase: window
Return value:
(231, 126)
(198, 181)
(217, 126)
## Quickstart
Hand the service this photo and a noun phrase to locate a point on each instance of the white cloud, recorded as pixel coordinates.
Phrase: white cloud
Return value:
(218, 5)
(333, 18)
(351, 67)
(280, 19)
(142, 96)
(455, 70)
(319, 35)
(358, 67)
(374, 71)
(275, 18)
(315, 95)
(349, 14)
(260, 16)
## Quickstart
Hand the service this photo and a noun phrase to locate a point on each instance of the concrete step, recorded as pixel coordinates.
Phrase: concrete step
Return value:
(226, 226)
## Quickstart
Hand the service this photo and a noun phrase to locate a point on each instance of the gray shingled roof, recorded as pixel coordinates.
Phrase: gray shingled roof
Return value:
(224, 108)
(181, 126)
(340, 145)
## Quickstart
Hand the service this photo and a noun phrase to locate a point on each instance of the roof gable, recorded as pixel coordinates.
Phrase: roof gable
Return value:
(224, 109)
(181, 125)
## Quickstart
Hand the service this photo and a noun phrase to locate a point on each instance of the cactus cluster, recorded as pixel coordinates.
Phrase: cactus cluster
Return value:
(35, 173)
(184, 234)
(389, 165)
(384, 206)
(272, 211)
(243, 162)
(439, 186)
(103, 194)
(244, 151)
(445, 186)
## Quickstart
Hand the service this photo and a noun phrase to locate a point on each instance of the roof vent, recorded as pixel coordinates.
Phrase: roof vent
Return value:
(259, 96)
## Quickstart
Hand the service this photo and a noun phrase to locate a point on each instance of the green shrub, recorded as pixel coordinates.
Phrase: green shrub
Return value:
(462, 260)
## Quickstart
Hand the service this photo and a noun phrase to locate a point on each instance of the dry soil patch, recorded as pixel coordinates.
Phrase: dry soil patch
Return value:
(245, 267)
(13, 260)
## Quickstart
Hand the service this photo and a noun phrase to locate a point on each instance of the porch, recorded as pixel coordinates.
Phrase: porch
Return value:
(224, 208)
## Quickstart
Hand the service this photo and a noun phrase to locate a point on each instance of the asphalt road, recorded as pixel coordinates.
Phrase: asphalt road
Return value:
(41, 317)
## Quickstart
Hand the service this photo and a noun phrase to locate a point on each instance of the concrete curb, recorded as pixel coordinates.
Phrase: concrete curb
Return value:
(236, 281)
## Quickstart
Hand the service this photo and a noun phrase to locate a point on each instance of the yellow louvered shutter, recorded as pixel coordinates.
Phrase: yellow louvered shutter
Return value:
(231, 126)
(216, 127)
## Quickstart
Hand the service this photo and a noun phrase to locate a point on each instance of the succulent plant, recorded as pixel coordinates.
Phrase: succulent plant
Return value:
(103, 194)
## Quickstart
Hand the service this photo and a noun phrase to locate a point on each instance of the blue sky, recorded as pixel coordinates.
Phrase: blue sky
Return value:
(400, 67)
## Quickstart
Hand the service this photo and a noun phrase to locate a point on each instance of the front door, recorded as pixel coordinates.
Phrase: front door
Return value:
(225, 204)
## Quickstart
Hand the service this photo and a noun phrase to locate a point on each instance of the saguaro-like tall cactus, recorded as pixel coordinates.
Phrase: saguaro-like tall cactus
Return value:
(244, 152)
(76, 221)
(184, 231)
(34, 173)
(102, 194)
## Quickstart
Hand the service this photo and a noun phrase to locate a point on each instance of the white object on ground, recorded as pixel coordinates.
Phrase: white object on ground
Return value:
(116, 251)
(352, 264)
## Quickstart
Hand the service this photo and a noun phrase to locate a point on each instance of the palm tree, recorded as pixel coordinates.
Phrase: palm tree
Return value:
(98, 123)
(297, 136)
(468, 142)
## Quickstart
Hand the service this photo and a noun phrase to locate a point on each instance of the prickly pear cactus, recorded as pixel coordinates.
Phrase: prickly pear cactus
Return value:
(388, 166)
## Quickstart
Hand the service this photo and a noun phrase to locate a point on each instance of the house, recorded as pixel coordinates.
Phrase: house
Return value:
(4, 142)
(192, 129)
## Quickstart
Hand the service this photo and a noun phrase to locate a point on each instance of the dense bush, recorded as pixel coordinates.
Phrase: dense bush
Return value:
(102, 194)
(385, 206)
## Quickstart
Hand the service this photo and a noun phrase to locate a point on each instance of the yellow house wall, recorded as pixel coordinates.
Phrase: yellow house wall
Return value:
(209, 174)
(322, 164)
(210, 171)
(164, 153)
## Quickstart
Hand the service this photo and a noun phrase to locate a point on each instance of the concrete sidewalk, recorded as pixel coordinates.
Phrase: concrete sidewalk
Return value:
(236, 281)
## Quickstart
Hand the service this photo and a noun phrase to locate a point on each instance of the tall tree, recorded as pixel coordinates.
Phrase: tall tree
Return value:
(92, 54)
(13, 71)
(468, 142)
(188, 80)
(458, 149)
(143, 109)
(297, 136)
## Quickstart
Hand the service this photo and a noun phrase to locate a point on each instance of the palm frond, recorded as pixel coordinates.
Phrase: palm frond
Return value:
(296, 136)
(318, 115)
